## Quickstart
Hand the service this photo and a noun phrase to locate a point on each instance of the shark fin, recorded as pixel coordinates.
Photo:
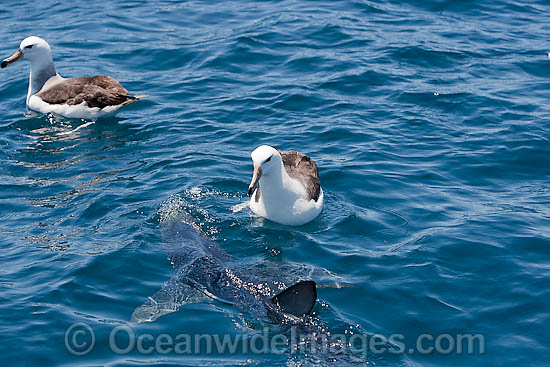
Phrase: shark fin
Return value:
(297, 300)
(170, 298)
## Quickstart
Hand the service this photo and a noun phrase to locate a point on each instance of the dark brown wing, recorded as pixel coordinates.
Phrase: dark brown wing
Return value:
(302, 168)
(97, 91)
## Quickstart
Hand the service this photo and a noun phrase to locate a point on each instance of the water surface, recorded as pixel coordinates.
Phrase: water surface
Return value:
(428, 121)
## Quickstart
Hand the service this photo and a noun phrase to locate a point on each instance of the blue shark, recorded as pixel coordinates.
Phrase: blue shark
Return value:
(204, 271)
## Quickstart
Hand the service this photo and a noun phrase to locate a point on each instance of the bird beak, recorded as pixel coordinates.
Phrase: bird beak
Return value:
(18, 55)
(255, 179)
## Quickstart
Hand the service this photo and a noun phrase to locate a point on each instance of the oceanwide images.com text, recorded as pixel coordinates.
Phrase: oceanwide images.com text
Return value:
(80, 339)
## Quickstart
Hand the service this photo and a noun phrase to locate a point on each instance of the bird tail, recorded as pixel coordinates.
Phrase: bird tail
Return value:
(132, 99)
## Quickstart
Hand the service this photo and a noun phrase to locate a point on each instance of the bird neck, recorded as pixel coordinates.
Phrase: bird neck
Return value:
(41, 71)
(275, 183)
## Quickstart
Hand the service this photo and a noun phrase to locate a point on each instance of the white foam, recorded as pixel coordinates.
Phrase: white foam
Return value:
(239, 207)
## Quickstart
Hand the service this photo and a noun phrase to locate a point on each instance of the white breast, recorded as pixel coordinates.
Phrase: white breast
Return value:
(286, 206)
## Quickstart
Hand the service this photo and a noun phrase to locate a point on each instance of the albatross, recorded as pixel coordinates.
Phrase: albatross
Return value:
(285, 186)
(84, 97)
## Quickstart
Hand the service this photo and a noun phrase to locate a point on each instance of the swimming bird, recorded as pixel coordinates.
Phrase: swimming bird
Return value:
(285, 186)
(83, 97)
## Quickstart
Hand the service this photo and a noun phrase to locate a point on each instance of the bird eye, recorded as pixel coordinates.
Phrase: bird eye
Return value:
(29, 46)
(268, 159)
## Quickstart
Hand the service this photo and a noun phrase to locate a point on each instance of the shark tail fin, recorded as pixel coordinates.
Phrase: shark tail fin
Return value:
(297, 300)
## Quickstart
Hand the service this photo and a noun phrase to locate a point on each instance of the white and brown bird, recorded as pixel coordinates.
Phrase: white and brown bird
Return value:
(285, 186)
(84, 97)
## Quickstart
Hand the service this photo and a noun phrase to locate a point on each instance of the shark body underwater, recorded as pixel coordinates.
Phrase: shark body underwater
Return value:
(204, 270)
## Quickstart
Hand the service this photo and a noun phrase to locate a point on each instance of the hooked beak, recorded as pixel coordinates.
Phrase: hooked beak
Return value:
(255, 179)
(18, 55)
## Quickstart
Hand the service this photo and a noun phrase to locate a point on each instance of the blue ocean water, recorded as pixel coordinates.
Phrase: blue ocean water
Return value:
(429, 124)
